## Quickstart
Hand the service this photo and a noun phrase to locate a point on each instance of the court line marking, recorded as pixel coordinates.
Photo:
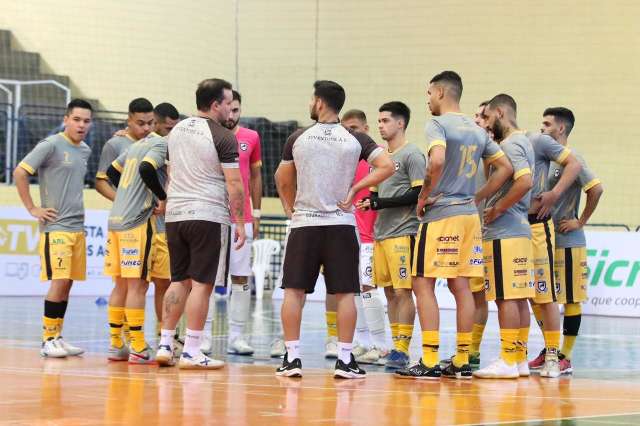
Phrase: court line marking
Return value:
(549, 419)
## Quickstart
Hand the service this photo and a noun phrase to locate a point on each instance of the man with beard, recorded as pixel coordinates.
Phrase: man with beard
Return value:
(314, 182)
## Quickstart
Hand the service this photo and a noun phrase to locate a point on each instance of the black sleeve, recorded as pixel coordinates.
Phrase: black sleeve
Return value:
(407, 199)
(150, 178)
(113, 175)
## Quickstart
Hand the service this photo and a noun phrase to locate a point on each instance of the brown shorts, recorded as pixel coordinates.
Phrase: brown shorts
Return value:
(198, 250)
(335, 247)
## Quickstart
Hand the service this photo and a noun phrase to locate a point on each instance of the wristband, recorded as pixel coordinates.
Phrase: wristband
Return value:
(256, 213)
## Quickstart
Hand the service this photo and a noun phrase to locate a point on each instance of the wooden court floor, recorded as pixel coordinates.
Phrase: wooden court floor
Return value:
(88, 390)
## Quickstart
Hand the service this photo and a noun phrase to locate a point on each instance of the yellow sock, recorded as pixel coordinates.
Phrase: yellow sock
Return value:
(537, 312)
(430, 347)
(395, 327)
(523, 342)
(552, 339)
(463, 342)
(49, 328)
(508, 338)
(126, 334)
(476, 338)
(115, 315)
(405, 331)
(135, 318)
(332, 323)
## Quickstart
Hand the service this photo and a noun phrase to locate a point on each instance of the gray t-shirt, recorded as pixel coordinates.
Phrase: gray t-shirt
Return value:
(513, 223)
(410, 167)
(110, 151)
(134, 202)
(546, 150)
(199, 148)
(569, 202)
(325, 156)
(61, 166)
(465, 143)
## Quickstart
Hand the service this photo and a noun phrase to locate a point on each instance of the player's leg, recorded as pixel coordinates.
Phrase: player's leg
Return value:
(161, 285)
(55, 305)
(173, 306)
(160, 274)
(240, 299)
(139, 352)
(479, 320)
(331, 318)
(571, 269)
(523, 338)
(291, 315)
(77, 265)
(381, 276)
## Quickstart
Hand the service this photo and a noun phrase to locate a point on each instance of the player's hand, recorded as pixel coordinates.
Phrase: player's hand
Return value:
(421, 208)
(44, 214)
(256, 228)
(161, 208)
(121, 132)
(491, 214)
(364, 204)
(239, 236)
(568, 225)
(547, 202)
(347, 203)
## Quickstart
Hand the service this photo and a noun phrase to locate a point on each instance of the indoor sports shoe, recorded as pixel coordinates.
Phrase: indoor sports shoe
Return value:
(290, 369)
(164, 356)
(52, 349)
(71, 350)
(565, 365)
(198, 362)
(452, 372)
(178, 345)
(474, 362)
(372, 356)
(359, 350)
(538, 362)
(142, 357)
(397, 359)
(551, 367)
(523, 369)
(331, 348)
(498, 369)
(239, 346)
(349, 371)
(206, 347)
(118, 354)
(420, 372)
(278, 349)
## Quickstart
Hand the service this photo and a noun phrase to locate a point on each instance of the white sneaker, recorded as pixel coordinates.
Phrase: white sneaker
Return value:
(52, 349)
(523, 369)
(206, 347)
(372, 356)
(359, 350)
(71, 350)
(331, 348)
(278, 349)
(178, 345)
(551, 367)
(164, 356)
(239, 346)
(198, 362)
(498, 369)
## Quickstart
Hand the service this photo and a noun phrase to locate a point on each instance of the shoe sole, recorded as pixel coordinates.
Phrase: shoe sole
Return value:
(398, 376)
(276, 355)
(340, 374)
(567, 371)
(52, 356)
(240, 353)
(458, 377)
(114, 359)
(165, 361)
(296, 372)
(198, 367)
(396, 367)
(524, 375)
(503, 377)
(549, 376)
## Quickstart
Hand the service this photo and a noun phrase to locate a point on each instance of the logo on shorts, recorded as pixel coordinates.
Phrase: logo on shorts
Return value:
(477, 249)
(403, 259)
(130, 263)
(449, 239)
(368, 271)
(445, 251)
(540, 272)
(520, 260)
(541, 286)
(130, 252)
(473, 262)
(403, 272)
(244, 146)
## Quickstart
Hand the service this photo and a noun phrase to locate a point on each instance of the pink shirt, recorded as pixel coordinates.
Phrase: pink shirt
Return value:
(249, 156)
(364, 219)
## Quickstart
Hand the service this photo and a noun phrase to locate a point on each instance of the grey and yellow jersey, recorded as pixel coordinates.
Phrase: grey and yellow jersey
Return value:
(546, 150)
(110, 151)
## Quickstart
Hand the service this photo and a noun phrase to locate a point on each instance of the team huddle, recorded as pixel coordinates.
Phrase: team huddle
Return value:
(491, 208)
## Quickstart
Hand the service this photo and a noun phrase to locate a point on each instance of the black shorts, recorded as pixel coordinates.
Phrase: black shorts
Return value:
(335, 247)
(198, 250)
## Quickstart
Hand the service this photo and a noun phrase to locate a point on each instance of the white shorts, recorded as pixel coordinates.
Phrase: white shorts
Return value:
(366, 264)
(239, 260)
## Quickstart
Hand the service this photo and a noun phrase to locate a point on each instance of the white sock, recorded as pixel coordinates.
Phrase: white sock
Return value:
(192, 341)
(344, 352)
(374, 314)
(293, 349)
(239, 305)
(166, 337)
(362, 331)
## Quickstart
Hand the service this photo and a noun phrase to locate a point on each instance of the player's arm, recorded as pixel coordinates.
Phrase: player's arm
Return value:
(502, 171)
(435, 167)
(523, 182)
(149, 175)
(255, 188)
(287, 186)
(102, 185)
(572, 167)
(593, 198)
(227, 147)
(28, 166)
(409, 198)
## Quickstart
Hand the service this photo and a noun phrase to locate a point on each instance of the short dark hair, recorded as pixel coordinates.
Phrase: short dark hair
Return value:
(504, 100)
(451, 79)
(331, 93)
(483, 104)
(563, 114)
(209, 91)
(78, 103)
(140, 105)
(165, 110)
(355, 113)
(397, 110)
(236, 96)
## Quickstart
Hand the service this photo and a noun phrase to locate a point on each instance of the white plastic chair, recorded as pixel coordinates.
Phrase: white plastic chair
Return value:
(263, 251)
